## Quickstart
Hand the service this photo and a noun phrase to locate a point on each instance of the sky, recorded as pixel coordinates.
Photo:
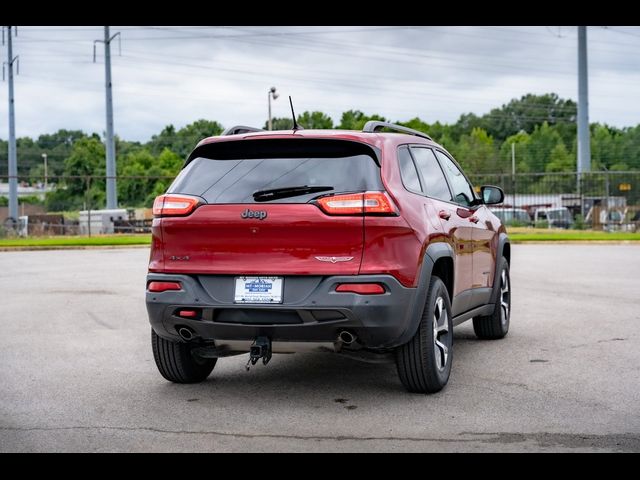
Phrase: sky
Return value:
(176, 75)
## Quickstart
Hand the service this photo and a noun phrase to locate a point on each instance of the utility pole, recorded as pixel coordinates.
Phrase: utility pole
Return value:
(110, 147)
(584, 147)
(513, 177)
(13, 160)
(46, 176)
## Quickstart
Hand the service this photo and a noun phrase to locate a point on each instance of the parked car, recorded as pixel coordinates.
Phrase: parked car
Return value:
(553, 218)
(513, 216)
(362, 242)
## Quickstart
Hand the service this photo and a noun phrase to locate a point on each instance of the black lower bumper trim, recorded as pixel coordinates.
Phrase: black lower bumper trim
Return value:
(318, 315)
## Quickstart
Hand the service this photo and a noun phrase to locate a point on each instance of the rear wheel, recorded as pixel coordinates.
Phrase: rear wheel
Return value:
(424, 363)
(496, 325)
(176, 363)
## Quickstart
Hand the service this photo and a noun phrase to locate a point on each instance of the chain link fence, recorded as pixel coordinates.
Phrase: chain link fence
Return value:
(75, 205)
(596, 200)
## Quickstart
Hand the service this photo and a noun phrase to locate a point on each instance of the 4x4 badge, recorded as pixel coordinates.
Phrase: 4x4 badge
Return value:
(334, 259)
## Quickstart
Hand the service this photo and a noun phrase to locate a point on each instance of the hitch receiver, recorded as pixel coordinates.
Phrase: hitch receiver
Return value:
(261, 349)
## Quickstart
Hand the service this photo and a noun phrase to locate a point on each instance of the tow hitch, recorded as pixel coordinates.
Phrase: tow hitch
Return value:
(261, 349)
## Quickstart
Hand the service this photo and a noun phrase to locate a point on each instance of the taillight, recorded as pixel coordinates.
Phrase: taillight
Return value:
(361, 288)
(158, 287)
(174, 205)
(368, 203)
(342, 204)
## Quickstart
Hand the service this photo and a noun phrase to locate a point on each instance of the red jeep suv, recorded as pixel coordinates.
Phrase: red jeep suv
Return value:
(357, 242)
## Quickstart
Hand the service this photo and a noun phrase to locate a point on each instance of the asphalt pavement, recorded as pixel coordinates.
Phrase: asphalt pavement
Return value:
(77, 372)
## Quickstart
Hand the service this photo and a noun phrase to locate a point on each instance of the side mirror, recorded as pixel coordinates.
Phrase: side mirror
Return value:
(491, 195)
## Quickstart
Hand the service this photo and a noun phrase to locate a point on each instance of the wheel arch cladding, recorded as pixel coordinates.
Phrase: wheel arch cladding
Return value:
(438, 258)
(504, 250)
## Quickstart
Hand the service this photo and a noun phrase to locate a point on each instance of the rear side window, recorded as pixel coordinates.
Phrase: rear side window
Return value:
(435, 184)
(408, 171)
(462, 191)
(235, 180)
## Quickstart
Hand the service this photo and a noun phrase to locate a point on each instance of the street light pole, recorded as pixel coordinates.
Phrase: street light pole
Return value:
(513, 176)
(271, 94)
(46, 176)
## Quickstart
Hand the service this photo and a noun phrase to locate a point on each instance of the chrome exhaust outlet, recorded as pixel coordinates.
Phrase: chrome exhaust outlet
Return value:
(346, 337)
(186, 334)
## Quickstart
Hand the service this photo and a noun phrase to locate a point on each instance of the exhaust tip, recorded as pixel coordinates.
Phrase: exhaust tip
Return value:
(186, 334)
(346, 337)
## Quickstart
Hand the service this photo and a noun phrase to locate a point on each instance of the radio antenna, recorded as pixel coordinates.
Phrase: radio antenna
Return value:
(295, 122)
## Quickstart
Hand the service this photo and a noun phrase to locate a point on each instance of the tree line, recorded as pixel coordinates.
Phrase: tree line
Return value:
(542, 129)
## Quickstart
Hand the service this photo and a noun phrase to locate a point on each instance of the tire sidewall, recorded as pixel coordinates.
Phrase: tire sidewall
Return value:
(436, 289)
(504, 267)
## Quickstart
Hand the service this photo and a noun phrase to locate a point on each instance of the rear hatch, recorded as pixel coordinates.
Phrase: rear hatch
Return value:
(258, 211)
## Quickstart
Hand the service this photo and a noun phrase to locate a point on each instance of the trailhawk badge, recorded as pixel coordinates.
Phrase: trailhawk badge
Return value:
(334, 259)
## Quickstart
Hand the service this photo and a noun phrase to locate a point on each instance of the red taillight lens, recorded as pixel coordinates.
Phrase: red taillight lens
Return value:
(378, 203)
(158, 287)
(361, 288)
(174, 205)
(342, 204)
(369, 203)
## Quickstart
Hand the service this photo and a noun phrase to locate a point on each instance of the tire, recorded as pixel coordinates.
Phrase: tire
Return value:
(424, 363)
(496, 325)
(176, 363)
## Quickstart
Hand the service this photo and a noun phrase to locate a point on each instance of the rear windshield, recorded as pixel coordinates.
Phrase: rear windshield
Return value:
(236, 180)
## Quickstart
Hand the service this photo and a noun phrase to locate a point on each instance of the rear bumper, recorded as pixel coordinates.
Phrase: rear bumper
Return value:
(312, 311)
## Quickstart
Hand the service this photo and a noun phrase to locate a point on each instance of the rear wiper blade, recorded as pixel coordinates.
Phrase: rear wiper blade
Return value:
(288, 192)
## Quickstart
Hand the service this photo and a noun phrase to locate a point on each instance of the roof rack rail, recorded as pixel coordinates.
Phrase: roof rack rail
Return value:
(375, 126)
(238, 129)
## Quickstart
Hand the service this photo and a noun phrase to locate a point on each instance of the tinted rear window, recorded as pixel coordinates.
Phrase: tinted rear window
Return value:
(234, 180)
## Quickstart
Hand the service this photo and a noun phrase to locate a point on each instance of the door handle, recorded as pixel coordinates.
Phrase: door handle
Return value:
(474, 219)
(444, 215)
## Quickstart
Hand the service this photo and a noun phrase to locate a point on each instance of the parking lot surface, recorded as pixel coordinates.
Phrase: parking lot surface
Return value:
(77, 373)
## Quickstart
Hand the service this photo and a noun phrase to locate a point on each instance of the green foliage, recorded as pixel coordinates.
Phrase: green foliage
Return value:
(523, 114)
(355, 120)
(86, 159)
(308, 120)
(579, 223)
(560, 160)
(315, 121)
(68, 241)
(183, 141)
(516, 223)
(57, 146)
(542, 224)
(143, 176)
(541, 127)
(279, 123)
(476, 153)
(31, 200)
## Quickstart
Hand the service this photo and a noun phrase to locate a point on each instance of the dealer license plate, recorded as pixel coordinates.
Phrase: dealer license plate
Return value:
(258, 290)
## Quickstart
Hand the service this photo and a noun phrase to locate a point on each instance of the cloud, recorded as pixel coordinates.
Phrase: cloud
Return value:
(179, 74)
